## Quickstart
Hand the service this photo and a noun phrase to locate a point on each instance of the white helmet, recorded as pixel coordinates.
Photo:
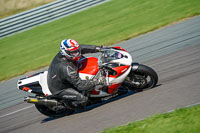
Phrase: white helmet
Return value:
(71, 49)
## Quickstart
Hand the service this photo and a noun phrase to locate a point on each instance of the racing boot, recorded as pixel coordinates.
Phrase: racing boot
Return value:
(80, 104)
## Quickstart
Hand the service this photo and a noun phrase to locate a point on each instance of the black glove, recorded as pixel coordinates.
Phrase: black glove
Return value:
(101, 48)
(100, 81)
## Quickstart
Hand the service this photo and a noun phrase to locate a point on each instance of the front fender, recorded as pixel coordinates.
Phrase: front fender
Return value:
(135, 66)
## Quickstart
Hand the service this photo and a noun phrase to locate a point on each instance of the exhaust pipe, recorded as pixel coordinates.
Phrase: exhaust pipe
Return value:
(41, 101)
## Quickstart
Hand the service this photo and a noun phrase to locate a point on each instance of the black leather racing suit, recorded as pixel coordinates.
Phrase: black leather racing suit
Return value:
(63, 79)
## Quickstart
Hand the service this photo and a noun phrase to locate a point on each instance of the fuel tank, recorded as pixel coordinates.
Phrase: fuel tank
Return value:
(88, 67)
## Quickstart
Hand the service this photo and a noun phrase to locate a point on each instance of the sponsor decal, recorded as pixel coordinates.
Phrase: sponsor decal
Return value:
(69, 96)
(53, 76)
(25, 89)
(109, 97)
(124, 70)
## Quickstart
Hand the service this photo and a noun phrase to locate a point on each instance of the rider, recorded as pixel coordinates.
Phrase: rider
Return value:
(63, 79)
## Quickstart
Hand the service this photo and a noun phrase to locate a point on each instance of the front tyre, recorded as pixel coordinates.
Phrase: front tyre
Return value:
(52, 111)
(142, 78)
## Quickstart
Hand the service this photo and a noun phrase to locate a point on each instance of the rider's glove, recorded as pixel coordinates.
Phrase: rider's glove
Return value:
(101, 48)
(100, 81)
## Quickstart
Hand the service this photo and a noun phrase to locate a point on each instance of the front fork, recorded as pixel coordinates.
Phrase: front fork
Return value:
(129, 80)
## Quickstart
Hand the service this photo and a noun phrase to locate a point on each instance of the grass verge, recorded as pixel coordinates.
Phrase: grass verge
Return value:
(186, 120)
(11, 7)
(105, 24)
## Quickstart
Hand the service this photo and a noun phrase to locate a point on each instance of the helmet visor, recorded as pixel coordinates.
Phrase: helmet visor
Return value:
(75, 53)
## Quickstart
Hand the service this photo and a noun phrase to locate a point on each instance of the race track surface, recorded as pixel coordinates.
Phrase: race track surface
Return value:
(173, 51)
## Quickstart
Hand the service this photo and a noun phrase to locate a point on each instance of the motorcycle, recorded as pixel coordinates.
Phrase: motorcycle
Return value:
(115, 65)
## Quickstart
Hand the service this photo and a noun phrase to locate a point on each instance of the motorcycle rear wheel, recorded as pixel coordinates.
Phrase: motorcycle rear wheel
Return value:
(45, 110)
(142, 79)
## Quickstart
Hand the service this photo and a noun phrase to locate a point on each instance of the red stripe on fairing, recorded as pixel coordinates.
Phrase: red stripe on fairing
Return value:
(120, 70)
(118, 47)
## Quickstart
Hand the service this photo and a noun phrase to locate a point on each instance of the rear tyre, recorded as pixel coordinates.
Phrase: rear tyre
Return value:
(52, 111)
(142, 79)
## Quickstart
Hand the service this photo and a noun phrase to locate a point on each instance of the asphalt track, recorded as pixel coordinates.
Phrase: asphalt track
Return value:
(173, 51)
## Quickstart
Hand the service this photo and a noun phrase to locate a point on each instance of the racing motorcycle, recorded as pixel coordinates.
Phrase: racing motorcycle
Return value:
(115, 65)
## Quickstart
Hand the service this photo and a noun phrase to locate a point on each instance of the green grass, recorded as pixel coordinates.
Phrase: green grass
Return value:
(11, 7)
(105, 24)
(186, 120)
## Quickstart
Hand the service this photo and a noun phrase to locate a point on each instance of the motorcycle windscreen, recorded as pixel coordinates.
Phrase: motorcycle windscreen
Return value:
(88, 67)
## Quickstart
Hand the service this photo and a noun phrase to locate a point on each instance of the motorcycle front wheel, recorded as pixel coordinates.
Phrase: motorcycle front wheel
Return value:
(49, 111)
(141, 79)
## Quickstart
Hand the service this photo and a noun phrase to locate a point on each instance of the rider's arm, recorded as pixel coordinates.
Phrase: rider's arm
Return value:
(71, 75)
(89, 48)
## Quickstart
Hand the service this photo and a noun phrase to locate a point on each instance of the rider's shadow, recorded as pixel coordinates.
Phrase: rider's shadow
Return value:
(126, 94)
(90, 107)
(106, 101)
(112, 99)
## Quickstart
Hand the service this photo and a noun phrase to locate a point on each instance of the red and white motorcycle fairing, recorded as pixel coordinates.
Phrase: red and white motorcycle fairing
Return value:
(119, 60)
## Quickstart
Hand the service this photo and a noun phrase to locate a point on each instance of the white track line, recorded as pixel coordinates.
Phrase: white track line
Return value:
(16, 111)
